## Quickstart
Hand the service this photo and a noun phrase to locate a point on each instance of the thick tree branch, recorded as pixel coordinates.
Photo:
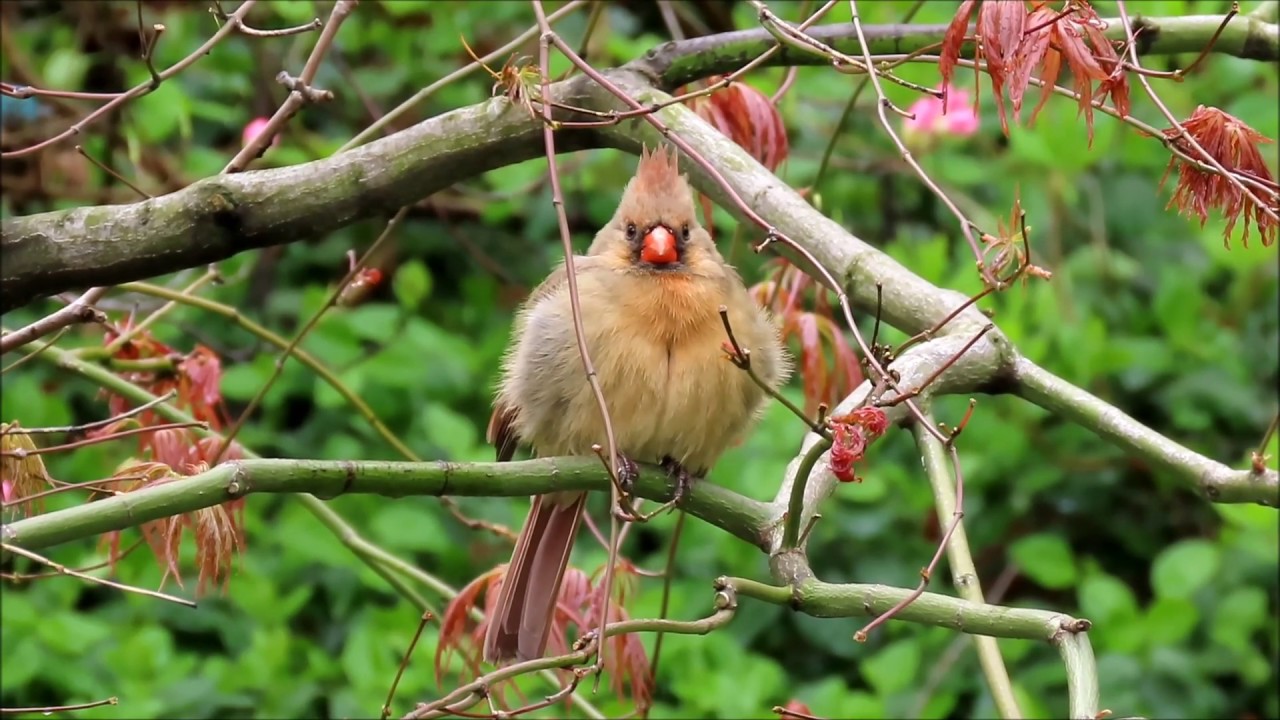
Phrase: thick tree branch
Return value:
(219, 217)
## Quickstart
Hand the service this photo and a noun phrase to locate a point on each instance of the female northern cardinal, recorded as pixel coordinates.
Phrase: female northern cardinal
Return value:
(650, 290)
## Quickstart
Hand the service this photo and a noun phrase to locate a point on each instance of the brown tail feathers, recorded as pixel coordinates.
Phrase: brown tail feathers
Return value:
(521, 623)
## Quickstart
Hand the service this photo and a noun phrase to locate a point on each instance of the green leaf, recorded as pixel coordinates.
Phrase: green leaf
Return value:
(412, 284)
(1238, 616)
(377, 322)
(1184, 568)
(1045, 558)
(162, 112)
(893, 668)
(65, 69)
(1170, 620)
(403, 526)
(1105, 599)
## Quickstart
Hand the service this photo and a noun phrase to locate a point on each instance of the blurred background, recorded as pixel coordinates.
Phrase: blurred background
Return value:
(1146, 309)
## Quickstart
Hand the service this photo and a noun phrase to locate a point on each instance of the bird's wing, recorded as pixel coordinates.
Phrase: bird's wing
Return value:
(501, 432)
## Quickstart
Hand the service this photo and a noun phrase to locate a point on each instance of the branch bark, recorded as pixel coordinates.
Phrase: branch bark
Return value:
(738, 515)
(218, 217)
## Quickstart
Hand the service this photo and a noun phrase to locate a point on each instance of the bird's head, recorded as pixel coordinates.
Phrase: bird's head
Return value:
(655, 228)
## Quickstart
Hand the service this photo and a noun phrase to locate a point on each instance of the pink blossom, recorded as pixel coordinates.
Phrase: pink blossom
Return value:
(254, 128)
(7, 490)
(960, 118)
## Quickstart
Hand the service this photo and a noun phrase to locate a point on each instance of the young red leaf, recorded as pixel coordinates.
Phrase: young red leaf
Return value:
(1234, 145)
(953, 41)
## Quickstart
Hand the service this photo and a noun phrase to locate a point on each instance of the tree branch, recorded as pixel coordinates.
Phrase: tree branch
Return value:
(677, 63)
(964, 574)
(1216, 481)
(738, 515)
(218, 217)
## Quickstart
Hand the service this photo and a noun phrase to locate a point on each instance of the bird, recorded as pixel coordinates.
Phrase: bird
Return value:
(652, 287)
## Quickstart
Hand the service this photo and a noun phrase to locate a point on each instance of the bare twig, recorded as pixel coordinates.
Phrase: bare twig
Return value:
(284, 356)
(315, 24)
(575, 305)
(456, 75)
(51, 709)
(104, 168)
(966, 225)
(100, 439)
(427, 617)
(79, 311)
(300, 90)
(140, 89)
(726, 607)
(100, 581)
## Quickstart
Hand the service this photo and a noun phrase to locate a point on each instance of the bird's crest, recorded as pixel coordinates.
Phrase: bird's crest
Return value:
(658, 171)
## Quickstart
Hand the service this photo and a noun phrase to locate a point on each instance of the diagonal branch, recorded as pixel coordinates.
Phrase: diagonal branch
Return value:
(216, 218)
(1218, 482)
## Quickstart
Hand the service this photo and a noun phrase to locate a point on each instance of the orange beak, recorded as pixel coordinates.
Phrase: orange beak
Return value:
(659, 247)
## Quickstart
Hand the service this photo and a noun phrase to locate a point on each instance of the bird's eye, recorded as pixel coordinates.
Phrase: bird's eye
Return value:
(684, 232)
(631, 231)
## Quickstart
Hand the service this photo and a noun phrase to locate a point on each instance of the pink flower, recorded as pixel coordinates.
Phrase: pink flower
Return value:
(255, 128)
(960, 118)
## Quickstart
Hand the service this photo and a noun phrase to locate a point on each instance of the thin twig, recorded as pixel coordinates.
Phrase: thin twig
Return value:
(427, 617)
(426, 92)
(100, 581)
(1208, 47)
(133, 331)
(51, 709)
(575, 306)
(726, 607)
(35, 353)
(315, 24)
(140, 89)
(81, 310)
(300, 90)
(104, 168)
(966, 225)
(668, 577)
(98, 423)
(20, 453)
(284, 356)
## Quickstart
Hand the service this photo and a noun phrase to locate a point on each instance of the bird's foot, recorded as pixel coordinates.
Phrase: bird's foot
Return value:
(683, 479)
(628, 472)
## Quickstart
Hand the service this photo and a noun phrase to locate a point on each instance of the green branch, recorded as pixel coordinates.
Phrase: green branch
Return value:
(678, 63)
(964, 574)
(1218, 482)
(738, 515)
(837, 600)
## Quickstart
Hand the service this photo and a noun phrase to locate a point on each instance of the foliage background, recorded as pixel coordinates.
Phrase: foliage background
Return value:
(1146, 309)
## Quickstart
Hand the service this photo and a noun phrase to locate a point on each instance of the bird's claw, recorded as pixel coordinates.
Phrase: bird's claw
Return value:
(628, 473)
(684, 481)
